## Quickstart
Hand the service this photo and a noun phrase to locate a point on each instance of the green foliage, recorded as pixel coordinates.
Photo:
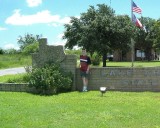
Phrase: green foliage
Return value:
(100, 30)
(11, 51)
(50, 79)
(1, 51)
(27, 40)
(156, 28)
(96, 59)
(93, 30)
(31, 48)
(14, 60)
(146, 38)
(123, 33)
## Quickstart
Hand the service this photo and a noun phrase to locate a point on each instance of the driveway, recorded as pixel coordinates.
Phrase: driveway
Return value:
(12, 71)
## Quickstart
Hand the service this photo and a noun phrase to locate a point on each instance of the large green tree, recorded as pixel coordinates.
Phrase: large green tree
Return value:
(28, 41)
(81, 31)
(156, 28)
(122, 36)
(93, 30)
(145, 37)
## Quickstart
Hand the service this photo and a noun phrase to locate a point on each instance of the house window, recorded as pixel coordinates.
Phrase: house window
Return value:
(140, 53)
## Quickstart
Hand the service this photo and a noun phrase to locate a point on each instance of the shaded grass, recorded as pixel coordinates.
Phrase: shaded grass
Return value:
(80, 110)
(14, 60)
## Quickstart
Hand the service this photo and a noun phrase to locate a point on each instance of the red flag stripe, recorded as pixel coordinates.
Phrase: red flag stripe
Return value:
(136, 9)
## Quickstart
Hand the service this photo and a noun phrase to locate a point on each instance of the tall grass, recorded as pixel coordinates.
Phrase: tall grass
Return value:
(14, 60)
(80, 110)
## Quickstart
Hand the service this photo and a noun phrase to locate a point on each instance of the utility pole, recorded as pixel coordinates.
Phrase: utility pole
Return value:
(132, 41)
(132, 52)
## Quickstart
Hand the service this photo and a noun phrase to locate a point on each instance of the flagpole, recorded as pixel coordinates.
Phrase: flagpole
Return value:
(132, 42)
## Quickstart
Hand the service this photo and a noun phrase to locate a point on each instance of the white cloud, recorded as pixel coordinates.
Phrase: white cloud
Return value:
(59, 42)
(33, 3)
(65, 20)
(10, 46)
(54, 24)
(60, 36)
(40, 17)
(2, 28)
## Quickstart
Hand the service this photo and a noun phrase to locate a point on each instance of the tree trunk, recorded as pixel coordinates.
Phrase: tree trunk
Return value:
(104, 59)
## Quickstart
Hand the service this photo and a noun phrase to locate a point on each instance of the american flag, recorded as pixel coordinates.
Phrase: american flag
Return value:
(136, 9)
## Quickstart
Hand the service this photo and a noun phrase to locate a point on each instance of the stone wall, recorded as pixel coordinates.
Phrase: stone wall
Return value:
(122, 79)
(116, 79)
(50, 53)
(13, 87)
(47, 53)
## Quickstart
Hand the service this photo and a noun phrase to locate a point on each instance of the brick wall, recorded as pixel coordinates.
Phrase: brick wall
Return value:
(117, 79)
(122, 79)
(13, 87)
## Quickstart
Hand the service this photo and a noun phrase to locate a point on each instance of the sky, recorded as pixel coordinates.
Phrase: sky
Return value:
(47, 17)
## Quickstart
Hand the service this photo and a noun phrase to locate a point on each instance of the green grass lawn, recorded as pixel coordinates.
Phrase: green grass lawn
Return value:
(80, 110)
(136, 64)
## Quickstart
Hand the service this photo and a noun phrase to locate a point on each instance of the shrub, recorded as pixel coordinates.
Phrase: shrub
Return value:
(11, 51)
(1, 51)
(31, 48)
(96, 59)
(50, 79)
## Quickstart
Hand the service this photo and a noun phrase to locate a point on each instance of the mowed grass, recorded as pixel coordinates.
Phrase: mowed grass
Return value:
(14, 60)
(136, 64)
(80, 110)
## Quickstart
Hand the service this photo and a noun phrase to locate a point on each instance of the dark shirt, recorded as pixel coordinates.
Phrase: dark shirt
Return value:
(84, 62)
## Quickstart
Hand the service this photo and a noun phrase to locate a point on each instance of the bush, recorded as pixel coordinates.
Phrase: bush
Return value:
(1, 51)
(96, 59)
(50, 79)
(19, 78)
(11, 51)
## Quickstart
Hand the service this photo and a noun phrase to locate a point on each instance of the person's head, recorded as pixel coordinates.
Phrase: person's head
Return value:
(84, 52)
